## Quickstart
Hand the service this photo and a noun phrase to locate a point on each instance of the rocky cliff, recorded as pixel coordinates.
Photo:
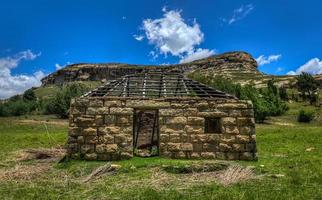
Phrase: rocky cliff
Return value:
(229, 65)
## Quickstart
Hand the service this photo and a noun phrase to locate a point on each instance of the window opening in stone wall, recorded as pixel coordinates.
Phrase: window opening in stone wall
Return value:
(212, 125)
(145, 133)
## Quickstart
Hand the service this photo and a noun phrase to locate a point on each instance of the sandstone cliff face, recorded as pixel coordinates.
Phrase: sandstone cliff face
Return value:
(227, 64)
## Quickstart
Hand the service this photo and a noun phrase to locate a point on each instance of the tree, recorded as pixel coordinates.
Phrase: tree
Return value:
(307, 86)
(60, 103)
(29, 95)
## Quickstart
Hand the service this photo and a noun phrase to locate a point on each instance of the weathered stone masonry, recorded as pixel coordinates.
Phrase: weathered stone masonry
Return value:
(101, 128)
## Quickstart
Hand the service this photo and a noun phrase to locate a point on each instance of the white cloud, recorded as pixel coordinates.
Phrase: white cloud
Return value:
(58, 66)
(263, 60)
(313, 66)
(138, 37)
(239, 13)
(196, 55)
(16, 84)
(171, 34)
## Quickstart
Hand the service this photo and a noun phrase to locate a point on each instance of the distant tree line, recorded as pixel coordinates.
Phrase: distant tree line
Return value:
(28, 103)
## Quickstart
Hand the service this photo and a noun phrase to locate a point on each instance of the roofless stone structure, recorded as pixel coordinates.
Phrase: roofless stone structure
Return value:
(160, 113)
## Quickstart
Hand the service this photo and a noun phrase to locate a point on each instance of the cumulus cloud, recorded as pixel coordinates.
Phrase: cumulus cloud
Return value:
(59, 66)
(263, 60)
(313, 66)
(15, 84)
(239, 13)
(138, 37)
(196, 55)
(172, 35)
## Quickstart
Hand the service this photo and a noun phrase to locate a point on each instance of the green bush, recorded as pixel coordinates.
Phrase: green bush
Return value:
(59, 105)
(266, 101)
(305, 116)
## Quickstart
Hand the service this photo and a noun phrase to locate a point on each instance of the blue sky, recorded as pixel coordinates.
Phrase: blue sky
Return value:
(37, 36)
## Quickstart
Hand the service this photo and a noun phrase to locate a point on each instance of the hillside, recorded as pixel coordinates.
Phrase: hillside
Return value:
(238, 66)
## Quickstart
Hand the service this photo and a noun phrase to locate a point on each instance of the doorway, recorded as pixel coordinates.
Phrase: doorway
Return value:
(146, 133)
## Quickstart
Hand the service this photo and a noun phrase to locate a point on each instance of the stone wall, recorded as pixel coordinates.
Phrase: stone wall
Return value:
(102, 128)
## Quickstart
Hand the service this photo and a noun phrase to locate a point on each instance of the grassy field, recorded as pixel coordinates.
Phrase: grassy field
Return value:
(289, 167)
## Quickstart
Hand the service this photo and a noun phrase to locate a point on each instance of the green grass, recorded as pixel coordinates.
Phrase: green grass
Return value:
(291, 149)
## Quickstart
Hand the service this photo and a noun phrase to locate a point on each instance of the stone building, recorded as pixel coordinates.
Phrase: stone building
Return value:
(160, 113)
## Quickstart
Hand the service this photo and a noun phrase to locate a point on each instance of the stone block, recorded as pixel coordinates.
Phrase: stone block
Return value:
(90, 156)
(220, 155)
(91, 140)
(106, 139)
(228, 121)
(85, 120)
(242, 138)
(87, 149)
(231, 130)
(74, 131)
(247, 130)
(188, 112)
(111, 148)
(108, 130)
(120, 138)
(100, 148)
(174, 138)
(110, 119)
(170, 112)
(239, 147)
(213, 138)
(121, 111)
(228, 139)
(195, 155)
(112, 103)
(127, 130)
(124, 119)
(194, 129)
(89, 131)
(164, 138)
(208, 155)
(185, 138)
(232, 156)
(232, 106)
(147, 104)
(174, 146)
(199, 121)
(213, 114)
(176, 120)
(197, 147)
(247, 156)
(99, 120)
(96, 103)
(210, 147)
(224, 147)
(186, 147)
(80, 140)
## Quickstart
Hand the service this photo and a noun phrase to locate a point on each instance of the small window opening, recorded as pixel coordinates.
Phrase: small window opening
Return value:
(212, 125)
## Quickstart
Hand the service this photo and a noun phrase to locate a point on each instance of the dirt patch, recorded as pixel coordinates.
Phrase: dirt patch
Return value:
(24, 172)
(41, 155)
(43, 160)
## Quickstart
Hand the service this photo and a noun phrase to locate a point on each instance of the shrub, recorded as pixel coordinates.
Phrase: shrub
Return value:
(59, 105)
(305, 116)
